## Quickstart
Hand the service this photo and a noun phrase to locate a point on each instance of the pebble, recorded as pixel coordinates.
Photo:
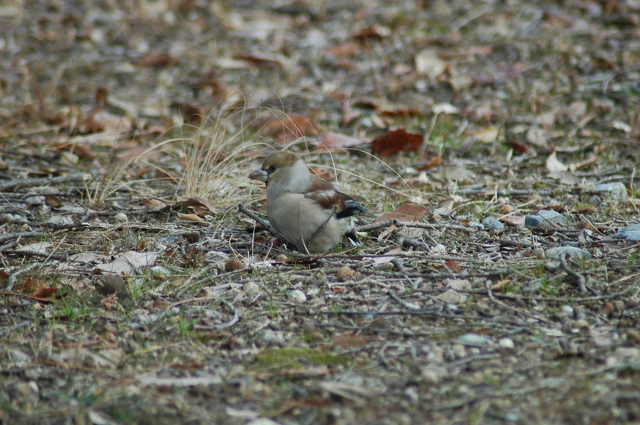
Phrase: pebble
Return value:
(297, 296)
(60, 220)
(121, 217)
(616, 190)
(631, 232)
(473, 340)
(545, 220)
(506, 343)
(493, 224)
(345, 273)
(560, 251)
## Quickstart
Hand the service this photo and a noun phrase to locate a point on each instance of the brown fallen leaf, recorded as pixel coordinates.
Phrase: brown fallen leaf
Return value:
(349, 340)
(331, 141)
(156, 61)
(396, 141)
(432, 162)
(197, 205)
(290, 127)
(408, 211)
(346, 49)
(373, 32)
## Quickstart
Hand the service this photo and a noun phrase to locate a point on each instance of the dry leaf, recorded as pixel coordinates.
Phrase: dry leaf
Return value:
(373, 32)
(331, 141)
(349, 48)
(486, 135)
(405, 212)
(396, 141)
(428, 62)
(199, 206)
(190, 217)
(290, 127)
(430, 163)
(554, 165)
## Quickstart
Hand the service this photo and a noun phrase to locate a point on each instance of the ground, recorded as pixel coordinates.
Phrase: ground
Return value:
(135, 291)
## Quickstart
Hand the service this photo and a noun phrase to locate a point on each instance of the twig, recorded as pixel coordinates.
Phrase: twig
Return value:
(20, 183)
(510, 308)
(14, 276)
(264, 223)
(580, 280)
(393, 222)
(17, 235)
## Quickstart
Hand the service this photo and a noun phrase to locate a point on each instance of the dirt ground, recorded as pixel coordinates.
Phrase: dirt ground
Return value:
(495, 280)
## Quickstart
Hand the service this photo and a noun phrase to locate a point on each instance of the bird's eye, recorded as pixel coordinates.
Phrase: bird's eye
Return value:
(271, 169)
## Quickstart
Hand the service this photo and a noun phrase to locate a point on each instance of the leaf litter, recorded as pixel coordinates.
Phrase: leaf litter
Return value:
(132, 288)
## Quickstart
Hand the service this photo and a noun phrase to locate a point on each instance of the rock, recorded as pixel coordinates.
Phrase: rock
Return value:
(345, 273)
(297, 296)
(493, 224)
(631, 233)
(473, 340)
(506, 343)
(545, 220)
(60, 220)
(560, 251)
(616, 191)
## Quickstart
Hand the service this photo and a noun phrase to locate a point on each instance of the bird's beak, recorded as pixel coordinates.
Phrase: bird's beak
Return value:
(259, 175)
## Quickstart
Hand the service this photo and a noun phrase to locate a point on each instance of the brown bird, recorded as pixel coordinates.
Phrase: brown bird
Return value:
(307, 210)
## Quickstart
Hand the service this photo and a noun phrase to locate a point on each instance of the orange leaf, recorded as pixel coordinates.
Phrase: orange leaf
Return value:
(405, 212)
(396, 141)
(321, 173)
(453, 265)
(431, 163)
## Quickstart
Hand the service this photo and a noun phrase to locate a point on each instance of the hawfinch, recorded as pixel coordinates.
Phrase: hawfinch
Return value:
(306, 209)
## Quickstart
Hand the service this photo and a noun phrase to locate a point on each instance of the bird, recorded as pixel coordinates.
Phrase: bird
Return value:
(307, 211)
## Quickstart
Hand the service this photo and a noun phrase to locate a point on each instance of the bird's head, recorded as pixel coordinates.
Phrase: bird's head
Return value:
(277, 164)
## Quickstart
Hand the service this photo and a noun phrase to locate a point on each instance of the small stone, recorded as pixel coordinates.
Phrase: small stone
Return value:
(433, 374)
(271, 337)
(452, 297)
(493, 224)
(281, 258)
(35, 200)
(581, 323)
(345, 273)
(121, 217)
(473, 340)
(476, 225)
(545, 220)
(571, 251)
(506, 343)
(616, 191)
(252, 289)
(297, 296)
(159, 272)
(60, 220)
(631, 233)
(567, 310)
(506, 209)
